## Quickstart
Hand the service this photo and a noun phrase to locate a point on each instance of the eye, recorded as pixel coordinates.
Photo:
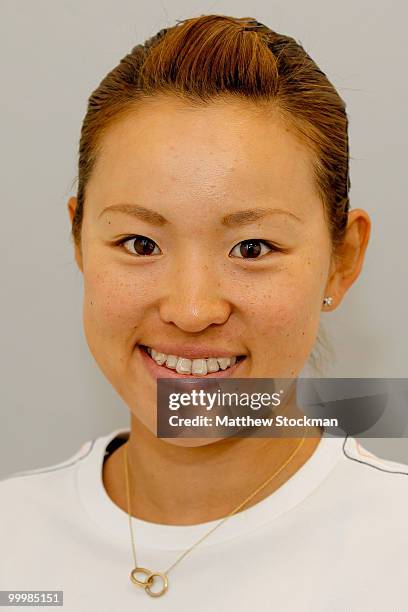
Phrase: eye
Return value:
(140, 245)
(252, 249)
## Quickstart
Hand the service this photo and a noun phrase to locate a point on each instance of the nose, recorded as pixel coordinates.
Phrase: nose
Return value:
(193, 299)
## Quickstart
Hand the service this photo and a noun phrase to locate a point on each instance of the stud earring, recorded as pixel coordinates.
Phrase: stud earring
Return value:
(328, 301)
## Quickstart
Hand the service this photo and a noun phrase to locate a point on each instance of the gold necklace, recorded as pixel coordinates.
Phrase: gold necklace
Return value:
(151, 576)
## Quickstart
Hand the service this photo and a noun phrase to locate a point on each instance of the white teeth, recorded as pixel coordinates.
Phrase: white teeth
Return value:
(199, 366)
(224, 362)
(171, 362)
(160, 358)
(182, 365)
(212, 365)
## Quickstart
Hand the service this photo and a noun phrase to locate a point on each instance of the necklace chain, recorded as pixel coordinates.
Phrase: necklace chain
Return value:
(150, 576)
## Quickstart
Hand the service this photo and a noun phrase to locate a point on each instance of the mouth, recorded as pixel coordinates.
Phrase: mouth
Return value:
(169, 366)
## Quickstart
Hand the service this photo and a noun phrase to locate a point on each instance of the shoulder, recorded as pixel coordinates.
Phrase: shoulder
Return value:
(45, 483)
(61, 466)
(374, 477)
(40, 486)
(355, 451)
(40, 509)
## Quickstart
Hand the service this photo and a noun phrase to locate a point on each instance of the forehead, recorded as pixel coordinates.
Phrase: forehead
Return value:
(225, 151)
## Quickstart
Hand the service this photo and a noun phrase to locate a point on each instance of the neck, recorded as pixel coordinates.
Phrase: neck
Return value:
(176, 485)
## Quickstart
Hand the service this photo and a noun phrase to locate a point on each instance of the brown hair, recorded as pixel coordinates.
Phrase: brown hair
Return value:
(210, 56)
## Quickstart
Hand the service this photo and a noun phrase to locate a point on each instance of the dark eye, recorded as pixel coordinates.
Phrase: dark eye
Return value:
(140, 246)
(251, 249)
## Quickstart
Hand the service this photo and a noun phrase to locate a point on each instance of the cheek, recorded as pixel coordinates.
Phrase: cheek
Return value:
(114, 302)
(287, 303)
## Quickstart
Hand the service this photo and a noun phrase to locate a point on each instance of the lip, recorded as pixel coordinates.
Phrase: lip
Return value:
(158, 371)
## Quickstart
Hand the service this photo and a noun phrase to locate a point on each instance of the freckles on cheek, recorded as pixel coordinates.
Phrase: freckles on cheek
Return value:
(285, 311)
(112, 301)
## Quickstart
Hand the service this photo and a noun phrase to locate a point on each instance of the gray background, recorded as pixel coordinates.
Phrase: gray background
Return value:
(54, 53)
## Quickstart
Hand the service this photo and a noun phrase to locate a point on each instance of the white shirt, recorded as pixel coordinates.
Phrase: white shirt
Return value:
(333, 538)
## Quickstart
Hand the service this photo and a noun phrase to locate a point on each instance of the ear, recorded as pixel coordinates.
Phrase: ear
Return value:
(349, 258)
(72, 204)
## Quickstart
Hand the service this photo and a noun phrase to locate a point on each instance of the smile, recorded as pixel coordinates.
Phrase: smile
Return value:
(186, 366)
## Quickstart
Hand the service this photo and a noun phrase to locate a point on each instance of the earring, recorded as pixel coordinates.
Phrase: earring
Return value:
(328, 301)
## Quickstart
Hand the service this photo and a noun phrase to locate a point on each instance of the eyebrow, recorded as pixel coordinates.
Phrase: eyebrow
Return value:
(244, 217)
(145, 214)
(236, 219)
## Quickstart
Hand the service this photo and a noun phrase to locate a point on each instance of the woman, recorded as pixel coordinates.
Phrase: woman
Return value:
(212, 228)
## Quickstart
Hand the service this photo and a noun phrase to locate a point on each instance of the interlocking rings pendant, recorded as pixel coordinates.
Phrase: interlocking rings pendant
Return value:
(150, 576)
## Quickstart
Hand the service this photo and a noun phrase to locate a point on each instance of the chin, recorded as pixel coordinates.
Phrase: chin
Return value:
(191, 442)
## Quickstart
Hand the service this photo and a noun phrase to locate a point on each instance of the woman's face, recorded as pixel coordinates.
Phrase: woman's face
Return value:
(224, 252)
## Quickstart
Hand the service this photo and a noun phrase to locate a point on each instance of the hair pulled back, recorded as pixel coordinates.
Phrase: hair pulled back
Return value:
(206, 57)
